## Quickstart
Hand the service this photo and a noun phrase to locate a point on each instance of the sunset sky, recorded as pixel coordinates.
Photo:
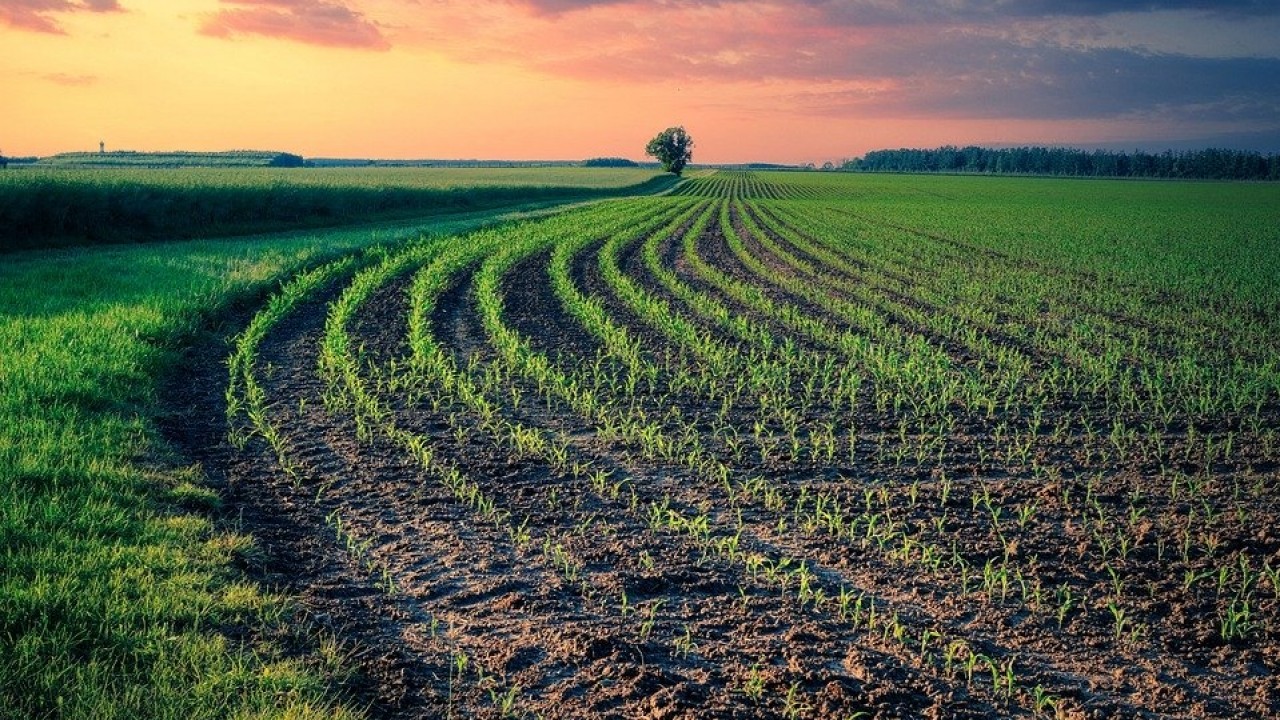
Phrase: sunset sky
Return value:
(774, 80)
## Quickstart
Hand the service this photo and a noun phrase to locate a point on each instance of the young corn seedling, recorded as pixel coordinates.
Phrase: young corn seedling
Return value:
(650, 620)
(457, 670)
(1003, 678)
(793, 708)
(1122, 622)
(505, 702)
(753, 687)
(1065, 601)
(1236, 621)
(1042, 702)
(684, 644)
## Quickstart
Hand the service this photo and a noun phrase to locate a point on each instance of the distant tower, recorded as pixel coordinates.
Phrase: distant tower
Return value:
(102, 147)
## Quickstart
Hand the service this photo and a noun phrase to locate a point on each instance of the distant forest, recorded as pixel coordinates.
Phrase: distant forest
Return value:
(1198, 164)
(610, 162)
(178, 159)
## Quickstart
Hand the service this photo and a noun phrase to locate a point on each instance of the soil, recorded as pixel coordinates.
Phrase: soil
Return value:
(650, 624)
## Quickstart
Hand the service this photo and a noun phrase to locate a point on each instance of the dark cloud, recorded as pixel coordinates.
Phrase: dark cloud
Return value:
(874, 11)
(988, 78)
(39, 15)
(899, 12)
(1266, 141)
(955, 70)
(967, 75)
(315, 22)
(1080, 8)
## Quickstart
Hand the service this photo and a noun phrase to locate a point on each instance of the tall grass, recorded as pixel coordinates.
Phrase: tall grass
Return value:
(48, 208)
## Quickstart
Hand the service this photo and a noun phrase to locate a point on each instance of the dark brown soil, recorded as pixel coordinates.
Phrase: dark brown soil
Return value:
(649, 623)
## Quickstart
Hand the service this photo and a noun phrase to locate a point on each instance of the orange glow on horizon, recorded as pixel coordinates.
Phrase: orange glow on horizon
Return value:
(396, 79)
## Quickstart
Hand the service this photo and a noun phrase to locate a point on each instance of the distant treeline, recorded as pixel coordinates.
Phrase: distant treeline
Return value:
(1209, 164)
(610, 162)
(180, 159)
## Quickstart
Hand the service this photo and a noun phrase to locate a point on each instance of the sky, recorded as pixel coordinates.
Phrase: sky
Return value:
(787, 81)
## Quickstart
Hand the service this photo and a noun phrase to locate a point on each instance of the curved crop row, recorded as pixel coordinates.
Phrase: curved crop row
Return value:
(749, 453)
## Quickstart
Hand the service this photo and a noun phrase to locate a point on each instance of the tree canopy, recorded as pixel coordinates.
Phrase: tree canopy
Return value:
(1208, 164)
(673, 148)
(609, 162)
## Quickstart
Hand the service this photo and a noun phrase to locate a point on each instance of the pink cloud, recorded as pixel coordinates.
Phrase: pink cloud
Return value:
(38, 15)
(626, 41)
(314, 22)
(1029, 59)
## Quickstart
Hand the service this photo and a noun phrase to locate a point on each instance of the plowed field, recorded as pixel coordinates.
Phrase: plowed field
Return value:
(760, 449)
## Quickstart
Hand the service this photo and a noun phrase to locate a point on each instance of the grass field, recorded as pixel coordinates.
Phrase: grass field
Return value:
(42, 208)
(119, 596)
(778, 444)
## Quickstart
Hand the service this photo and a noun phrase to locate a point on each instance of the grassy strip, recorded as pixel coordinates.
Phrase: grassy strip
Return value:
(115, 587)
(46, 209)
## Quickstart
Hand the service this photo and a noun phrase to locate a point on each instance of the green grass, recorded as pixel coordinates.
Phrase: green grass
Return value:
(1214, 239)
(1192, 238)
(41, 208)
(114, 583)
(116, 587)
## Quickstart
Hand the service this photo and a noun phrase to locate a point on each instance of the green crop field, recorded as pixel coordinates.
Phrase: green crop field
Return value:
(44, 207)
(771, 445)
(118, 597)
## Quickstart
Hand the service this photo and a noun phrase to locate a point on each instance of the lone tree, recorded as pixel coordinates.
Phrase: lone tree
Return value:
(673, 148)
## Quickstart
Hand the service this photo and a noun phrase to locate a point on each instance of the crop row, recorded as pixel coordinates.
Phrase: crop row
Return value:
(818, 409)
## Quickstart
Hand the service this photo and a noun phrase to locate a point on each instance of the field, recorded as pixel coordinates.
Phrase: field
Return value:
(43, 207)
(789, 445)
(773, 445)
(122, 590)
